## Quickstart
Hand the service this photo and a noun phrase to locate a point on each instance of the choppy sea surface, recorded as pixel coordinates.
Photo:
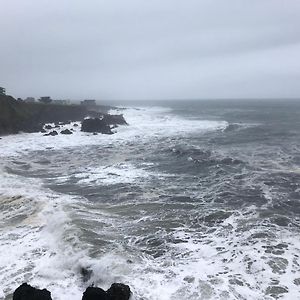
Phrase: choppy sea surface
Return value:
(192, 200)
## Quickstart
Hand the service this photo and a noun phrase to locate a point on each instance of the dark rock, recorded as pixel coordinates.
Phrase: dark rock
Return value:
(86, 274)
(119, 291)
(43, 130)
(48, 126)
(75, 125)
(114, 119)
(95, 125)
(66, 131)
(94, 293)
(27, 292)
(51, 133)
(19, 116)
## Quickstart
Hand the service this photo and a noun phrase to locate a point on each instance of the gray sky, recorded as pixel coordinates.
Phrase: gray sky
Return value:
(150, 49)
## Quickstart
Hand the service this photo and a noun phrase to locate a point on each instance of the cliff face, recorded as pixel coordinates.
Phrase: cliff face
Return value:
(11, 115)
(18, 116)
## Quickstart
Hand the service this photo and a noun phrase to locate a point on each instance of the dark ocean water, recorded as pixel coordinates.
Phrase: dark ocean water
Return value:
(192, 200)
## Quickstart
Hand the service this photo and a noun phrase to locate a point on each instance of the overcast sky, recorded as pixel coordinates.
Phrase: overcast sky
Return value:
(150, 49)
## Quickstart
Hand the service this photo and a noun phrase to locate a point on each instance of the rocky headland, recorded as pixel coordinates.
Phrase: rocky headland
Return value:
(18, 116)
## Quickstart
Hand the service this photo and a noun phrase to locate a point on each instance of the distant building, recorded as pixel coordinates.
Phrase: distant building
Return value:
(61, 102)
(29, 100)
(45, 99)
(89, 103)
(2, 91)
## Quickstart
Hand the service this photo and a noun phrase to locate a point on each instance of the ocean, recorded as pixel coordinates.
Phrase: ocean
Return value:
(192, 200)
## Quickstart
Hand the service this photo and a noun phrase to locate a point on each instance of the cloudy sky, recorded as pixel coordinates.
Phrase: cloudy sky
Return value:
(150, 49)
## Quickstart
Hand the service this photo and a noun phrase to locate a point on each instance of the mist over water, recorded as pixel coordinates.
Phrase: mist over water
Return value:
(192, 200)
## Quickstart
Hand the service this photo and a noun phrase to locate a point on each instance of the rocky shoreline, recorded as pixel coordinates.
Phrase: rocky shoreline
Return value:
(117, 291)
(17, 116)
(51, 120)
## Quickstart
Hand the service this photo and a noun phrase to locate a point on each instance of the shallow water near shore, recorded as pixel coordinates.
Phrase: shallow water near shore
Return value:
(192, 200)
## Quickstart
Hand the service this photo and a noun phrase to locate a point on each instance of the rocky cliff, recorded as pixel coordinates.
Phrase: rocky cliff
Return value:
(16, 116)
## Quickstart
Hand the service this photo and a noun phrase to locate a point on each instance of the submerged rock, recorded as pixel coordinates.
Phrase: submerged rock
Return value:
(51, 133)
(27, 292)
(86, 274)
(48, 126)
(66, 131)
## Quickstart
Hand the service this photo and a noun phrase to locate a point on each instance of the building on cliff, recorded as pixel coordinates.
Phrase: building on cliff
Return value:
(61, 102)
(45, 100)
(2, 91)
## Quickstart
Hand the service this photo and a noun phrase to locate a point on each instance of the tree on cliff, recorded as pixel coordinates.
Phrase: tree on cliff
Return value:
(2, 91)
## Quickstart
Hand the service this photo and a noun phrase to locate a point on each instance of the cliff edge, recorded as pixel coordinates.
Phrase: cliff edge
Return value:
(16, 116)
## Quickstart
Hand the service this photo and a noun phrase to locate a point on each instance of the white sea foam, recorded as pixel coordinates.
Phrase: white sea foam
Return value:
(34, 226)
(144, 123)
(44, 246)
(44, 250)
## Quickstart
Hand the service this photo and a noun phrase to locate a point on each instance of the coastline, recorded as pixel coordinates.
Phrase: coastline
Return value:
(17, 116)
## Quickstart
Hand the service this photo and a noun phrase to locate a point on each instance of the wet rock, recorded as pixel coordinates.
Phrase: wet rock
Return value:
(95, 125)
(66, 131)
(51, 133)
(94, 293)
(27, 292)
(119, 291)
(86, 274)
(48, 126)
(43, 130)
(75, 125)
(114, 119)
